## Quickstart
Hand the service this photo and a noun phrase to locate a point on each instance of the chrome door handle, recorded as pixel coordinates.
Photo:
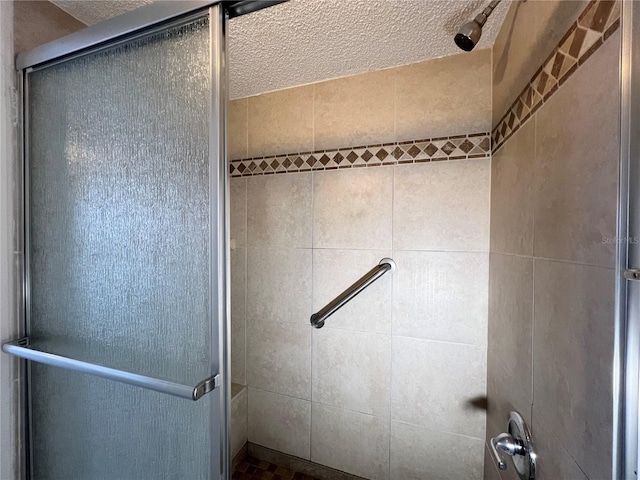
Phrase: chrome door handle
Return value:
(22, 348)
(518, 445)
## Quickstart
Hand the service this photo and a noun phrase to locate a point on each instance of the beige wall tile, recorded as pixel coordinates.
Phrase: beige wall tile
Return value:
(491, 471)
(238, 259)
(418, 453)
(238, 210)
(445, 96)
(352, 208)
(572, 359)
(279, 358)
(237, 124)
(433, 383)
(509, 370)
(238, 350)
(238, 314)
(279, 285)
(279, 210)
(352, 370)
(337, 441)
(554, 461)
(442, 206)
(355, 110)
(281, 122)
(529, 33)
(334, 271)
(238, 328)
(577, 164)
(512, 194)
(434, 297)
(238, 421)
(280, 423)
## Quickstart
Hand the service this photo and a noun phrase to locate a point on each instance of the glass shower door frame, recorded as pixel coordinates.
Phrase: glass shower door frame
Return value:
(125, 28)
(626, 373)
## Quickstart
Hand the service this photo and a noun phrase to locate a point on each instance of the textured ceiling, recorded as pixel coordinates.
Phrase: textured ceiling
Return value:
(306, 41)
(94, 11)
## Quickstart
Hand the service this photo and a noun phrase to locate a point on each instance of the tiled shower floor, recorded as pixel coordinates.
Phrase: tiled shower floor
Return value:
(251, 468)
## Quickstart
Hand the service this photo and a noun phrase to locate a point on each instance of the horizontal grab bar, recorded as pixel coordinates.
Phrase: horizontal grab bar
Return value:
(385, 265)
(20, 348)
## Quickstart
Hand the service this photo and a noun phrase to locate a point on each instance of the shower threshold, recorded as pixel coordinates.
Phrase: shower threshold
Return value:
(251, 468)
(257, 462)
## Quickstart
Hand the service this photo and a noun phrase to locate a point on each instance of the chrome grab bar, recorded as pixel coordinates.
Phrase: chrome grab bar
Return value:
(385, 265)
(21, 348)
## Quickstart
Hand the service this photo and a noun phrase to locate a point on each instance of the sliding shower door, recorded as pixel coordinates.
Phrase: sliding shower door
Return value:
(125, 257)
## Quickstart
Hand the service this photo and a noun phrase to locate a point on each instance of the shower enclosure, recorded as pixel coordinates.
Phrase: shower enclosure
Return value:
(125, 251)
(129, 253)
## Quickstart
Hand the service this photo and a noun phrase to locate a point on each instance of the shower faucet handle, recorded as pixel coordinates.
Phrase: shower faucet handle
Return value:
(507, 444)
(516, 443)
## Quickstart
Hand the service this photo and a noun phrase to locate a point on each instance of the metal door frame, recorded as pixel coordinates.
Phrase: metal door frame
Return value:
(626, 365)
(131, 23)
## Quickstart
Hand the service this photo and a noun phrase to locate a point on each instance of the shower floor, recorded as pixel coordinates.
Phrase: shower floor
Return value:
(250, 468)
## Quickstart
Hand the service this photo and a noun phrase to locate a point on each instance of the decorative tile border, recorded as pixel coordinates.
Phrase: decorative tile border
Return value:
(599, 20)
(458, 147)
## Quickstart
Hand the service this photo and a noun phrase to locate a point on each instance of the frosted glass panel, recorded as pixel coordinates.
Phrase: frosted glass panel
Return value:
(119, 265)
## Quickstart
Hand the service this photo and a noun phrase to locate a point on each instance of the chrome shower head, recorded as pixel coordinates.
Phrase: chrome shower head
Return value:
(470, 33)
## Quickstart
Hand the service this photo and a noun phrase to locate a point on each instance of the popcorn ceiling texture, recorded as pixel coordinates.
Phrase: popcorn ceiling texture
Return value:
(94, 11)
(307, 41)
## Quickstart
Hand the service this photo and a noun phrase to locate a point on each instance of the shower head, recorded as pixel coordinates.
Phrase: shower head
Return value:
(470, 33)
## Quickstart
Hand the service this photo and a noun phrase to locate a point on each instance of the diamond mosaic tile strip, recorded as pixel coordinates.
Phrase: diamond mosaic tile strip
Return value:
(599, 20)
(475, 145)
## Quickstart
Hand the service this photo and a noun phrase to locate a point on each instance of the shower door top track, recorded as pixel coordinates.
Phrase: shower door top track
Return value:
(130, 23)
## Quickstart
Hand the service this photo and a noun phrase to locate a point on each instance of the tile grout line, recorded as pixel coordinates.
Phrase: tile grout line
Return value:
(393, 198)
(247, 120)
(395, 105)
(533, 269)
(313, 221)
(491, 164)
(246, 277)
(312, 244)
(393, 283)
(247, 136)
(532, 330)
(313, 117)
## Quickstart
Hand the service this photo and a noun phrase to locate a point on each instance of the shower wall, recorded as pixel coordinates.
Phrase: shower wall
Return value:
(553, 226)
(395, 381)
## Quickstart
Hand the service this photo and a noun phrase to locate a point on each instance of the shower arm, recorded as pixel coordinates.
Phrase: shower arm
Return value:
(481, 18)
(385, 265)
